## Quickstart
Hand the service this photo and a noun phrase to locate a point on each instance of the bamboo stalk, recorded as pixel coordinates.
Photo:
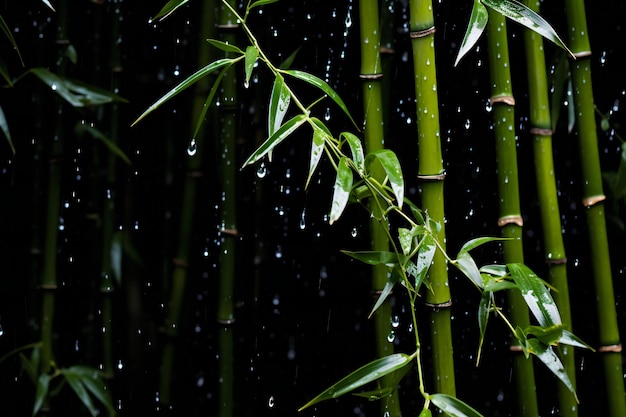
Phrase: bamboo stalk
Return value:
(508, 188)
(593, 200)
(548, 201)
(186, 226)
(431, 175)
(371, 76)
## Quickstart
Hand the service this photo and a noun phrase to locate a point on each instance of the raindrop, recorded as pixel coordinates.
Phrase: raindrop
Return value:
(262, 171)
(303, 220)
(192, 148)
(120, 365)
(354, 232)
(271, 402)
(391, 336)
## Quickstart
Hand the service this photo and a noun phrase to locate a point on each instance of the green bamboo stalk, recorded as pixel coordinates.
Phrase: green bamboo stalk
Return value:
(431, 174)
(227, 165)
(186, 226)
(510, 220)
(371, 75)
(593, 200)
(548, 201)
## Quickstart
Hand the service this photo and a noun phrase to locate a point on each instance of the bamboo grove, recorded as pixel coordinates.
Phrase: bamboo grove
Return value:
(258, 208)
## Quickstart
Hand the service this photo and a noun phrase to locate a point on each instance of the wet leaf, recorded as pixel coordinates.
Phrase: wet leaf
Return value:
(252, 53)
(279, 104)
(536, 295)
(425, 255)
(367, 373)
(76, 93)
(484, 308)
(213, 66)
(476, 27)
(226, 47)
(4, 72)
(261, 3)
(453, 406)
(9, 35)
(391, 165)
(341, 190)
(209, 100)
(476, 242)
(385, 292)
(75, 381)
(317, 150)
(41, 392)
(289, 60)
(525, 16)
(82, 128)
(375, 257)
(168, 9)
(547, 335)
(356, 148)
(548, 356)
(4, 126)
(281, 134)
(405, 237)
(47, 3)
(465, 263)
(93, 382)
(568, 338)
(322, 85)
(425, 413)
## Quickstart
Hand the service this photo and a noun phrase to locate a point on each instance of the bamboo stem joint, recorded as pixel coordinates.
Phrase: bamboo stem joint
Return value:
(516, 219)
(422, 33)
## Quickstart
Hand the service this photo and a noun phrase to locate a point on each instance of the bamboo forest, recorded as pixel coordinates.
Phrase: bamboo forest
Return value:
(311, 208)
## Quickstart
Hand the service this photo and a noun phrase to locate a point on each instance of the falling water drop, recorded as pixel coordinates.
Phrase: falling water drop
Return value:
(262, 171)
(271, 402)
(192, 148)
(303, 220)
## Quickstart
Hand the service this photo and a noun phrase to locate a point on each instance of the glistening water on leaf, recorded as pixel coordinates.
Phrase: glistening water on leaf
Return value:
(341, 191)
(168, 9)
(536, 295)
(453, 406)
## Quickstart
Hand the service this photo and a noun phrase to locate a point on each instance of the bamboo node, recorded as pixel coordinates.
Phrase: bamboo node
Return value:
(515, 218)
(509, 100)
(194, 174)
(117, 69)
(231, 232)
(593, 200)
(422, 33)
(439, 306)
(226, 322)
(370, 76)
(386, 50)
(228, 26)
(435, 177)
(377, 293)
(180, 263)
(515, 348)
(617, 348)
(48, 287)
(582, 54)
(540, 131)
(556, 261)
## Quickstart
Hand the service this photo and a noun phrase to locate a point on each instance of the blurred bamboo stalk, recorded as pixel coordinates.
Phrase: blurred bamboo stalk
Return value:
(593, 201)
(510, 220)
(431, 175)
(374, 133)
(541, 130)
(186, 225)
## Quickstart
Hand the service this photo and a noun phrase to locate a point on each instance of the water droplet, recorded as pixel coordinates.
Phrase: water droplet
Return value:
(192, 148)
(261, 172)
(271, 402)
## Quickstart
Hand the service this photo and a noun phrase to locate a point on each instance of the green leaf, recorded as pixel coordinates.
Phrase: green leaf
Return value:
(41, 392)
(476, 242)
(4, 126)
(274, 140)
(252, 53)
(568, 338)
(495, 270)
(47, 3)
(391, 165)
(386, 386)
(289, 60)
(425, 255)
(213, 66)
(279, 104)
(405, 237)
(536, 295)
(547, 335)
(453, 406)
(476, 27)
(76, 93)
(425, 413)
(209, 100)
(548, 356)
(261, 3)
(525, 16)
(484, 308)
(168, 9)
(356, 148)
(75, 382)
(317, 150)
(375, 257)
(92, 381)
(82, 128)
(465, 263)
(322, 85)
(341, 191)
(7, 32)
(386, 291)
(367, 373)
(226, 47)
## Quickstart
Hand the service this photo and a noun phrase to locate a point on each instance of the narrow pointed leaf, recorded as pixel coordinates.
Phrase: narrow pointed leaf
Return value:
(476, 27)
(374, 257)
(548, 356)
(41, 392)
(7, 32)
(213, 66)
(484, 308)
(356, 148)
(281, 134)
(289, 60)
(226, 47)
(279, 104)
(426, 413)
(525, 16)
(453, 406)
(391, 165)
(92, 381)
(209, 100)
(168, 9)
(76, 383)
(261, 3)
(425, 255)
(568, 338)
(366, 374)
(386, 291)
(341, 191)
(322, 85)
(4, 126)
(536, 295)
(476, 242)
(405, 237)
(47, 3)
(252, 53)
(82, 128)
(465, 263)
(547, 335)
(317, 150)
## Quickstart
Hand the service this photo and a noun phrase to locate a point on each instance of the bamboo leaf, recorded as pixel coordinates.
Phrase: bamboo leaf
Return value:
(367, 373)
(476, 27)
(484, 308)
(76, 93)
(168, 9)
(536, 295)
(386, 291)
(425, 413)
(209, 100)
(280, 99)
(425, 255)
(465, 263)
(225, 47)
(405, 237)
(496, 270)
(391, 165)
(4, 126)
(261, 3)
(4, 72)
(525, 16)
(74, 380)
(281, 134)
(94, 384)
(7, 32)
(548, 356)
(387, 385)
(322, 85)
(547, 335)
(568, 338)
(341, 191)
(317, 149)
(82, 128)
(289, 60)
(47, 3)
(213, 66)
(453, 406)
(356, 148)
(41, 392)
(252, 53)
(476, 242)
(375, 257)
